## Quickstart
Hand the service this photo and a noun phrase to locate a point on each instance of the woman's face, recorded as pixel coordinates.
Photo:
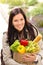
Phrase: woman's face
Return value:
(18, 22)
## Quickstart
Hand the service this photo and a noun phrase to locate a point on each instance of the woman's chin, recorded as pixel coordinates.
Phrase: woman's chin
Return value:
(20, 30)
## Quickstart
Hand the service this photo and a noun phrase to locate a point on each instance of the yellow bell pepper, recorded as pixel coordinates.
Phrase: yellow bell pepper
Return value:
(21, 49)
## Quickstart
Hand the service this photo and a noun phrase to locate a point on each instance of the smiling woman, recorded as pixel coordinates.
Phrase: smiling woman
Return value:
(19, 29)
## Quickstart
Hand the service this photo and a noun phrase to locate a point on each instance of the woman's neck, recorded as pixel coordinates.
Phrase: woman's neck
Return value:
(21, 35)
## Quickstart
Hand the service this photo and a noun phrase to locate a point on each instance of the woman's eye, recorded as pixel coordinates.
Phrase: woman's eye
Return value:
(21, 19)
(15, 20)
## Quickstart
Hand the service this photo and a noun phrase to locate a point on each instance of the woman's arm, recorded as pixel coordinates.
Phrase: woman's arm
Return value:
(40, 54)
(6, 53)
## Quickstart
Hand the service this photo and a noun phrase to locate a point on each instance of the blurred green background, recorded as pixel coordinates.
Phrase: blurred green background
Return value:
(32, 8)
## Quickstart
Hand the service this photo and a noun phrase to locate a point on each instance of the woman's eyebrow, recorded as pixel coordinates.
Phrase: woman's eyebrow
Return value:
(16, 20)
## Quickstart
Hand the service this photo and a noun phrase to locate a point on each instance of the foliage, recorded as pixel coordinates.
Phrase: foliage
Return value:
(19, 2)
(14, 2)
(37, 10)
(2, 1)
(31, 2)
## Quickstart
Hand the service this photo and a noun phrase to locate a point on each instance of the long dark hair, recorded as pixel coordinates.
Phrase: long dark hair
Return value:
(12, 32)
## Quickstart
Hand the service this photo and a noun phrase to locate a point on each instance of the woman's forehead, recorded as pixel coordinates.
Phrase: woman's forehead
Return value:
(18, 16)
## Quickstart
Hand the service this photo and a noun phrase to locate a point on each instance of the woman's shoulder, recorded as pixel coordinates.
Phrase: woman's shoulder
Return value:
(5, 35)
(5, 32)
(4, 38)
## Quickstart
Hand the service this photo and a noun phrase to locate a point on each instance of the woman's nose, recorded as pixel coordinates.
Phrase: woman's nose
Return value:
(19, 22)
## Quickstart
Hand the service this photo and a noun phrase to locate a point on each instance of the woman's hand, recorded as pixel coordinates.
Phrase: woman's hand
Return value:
(29, 57)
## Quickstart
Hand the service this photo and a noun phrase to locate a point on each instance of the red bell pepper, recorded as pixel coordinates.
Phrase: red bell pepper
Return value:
(24, 42)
